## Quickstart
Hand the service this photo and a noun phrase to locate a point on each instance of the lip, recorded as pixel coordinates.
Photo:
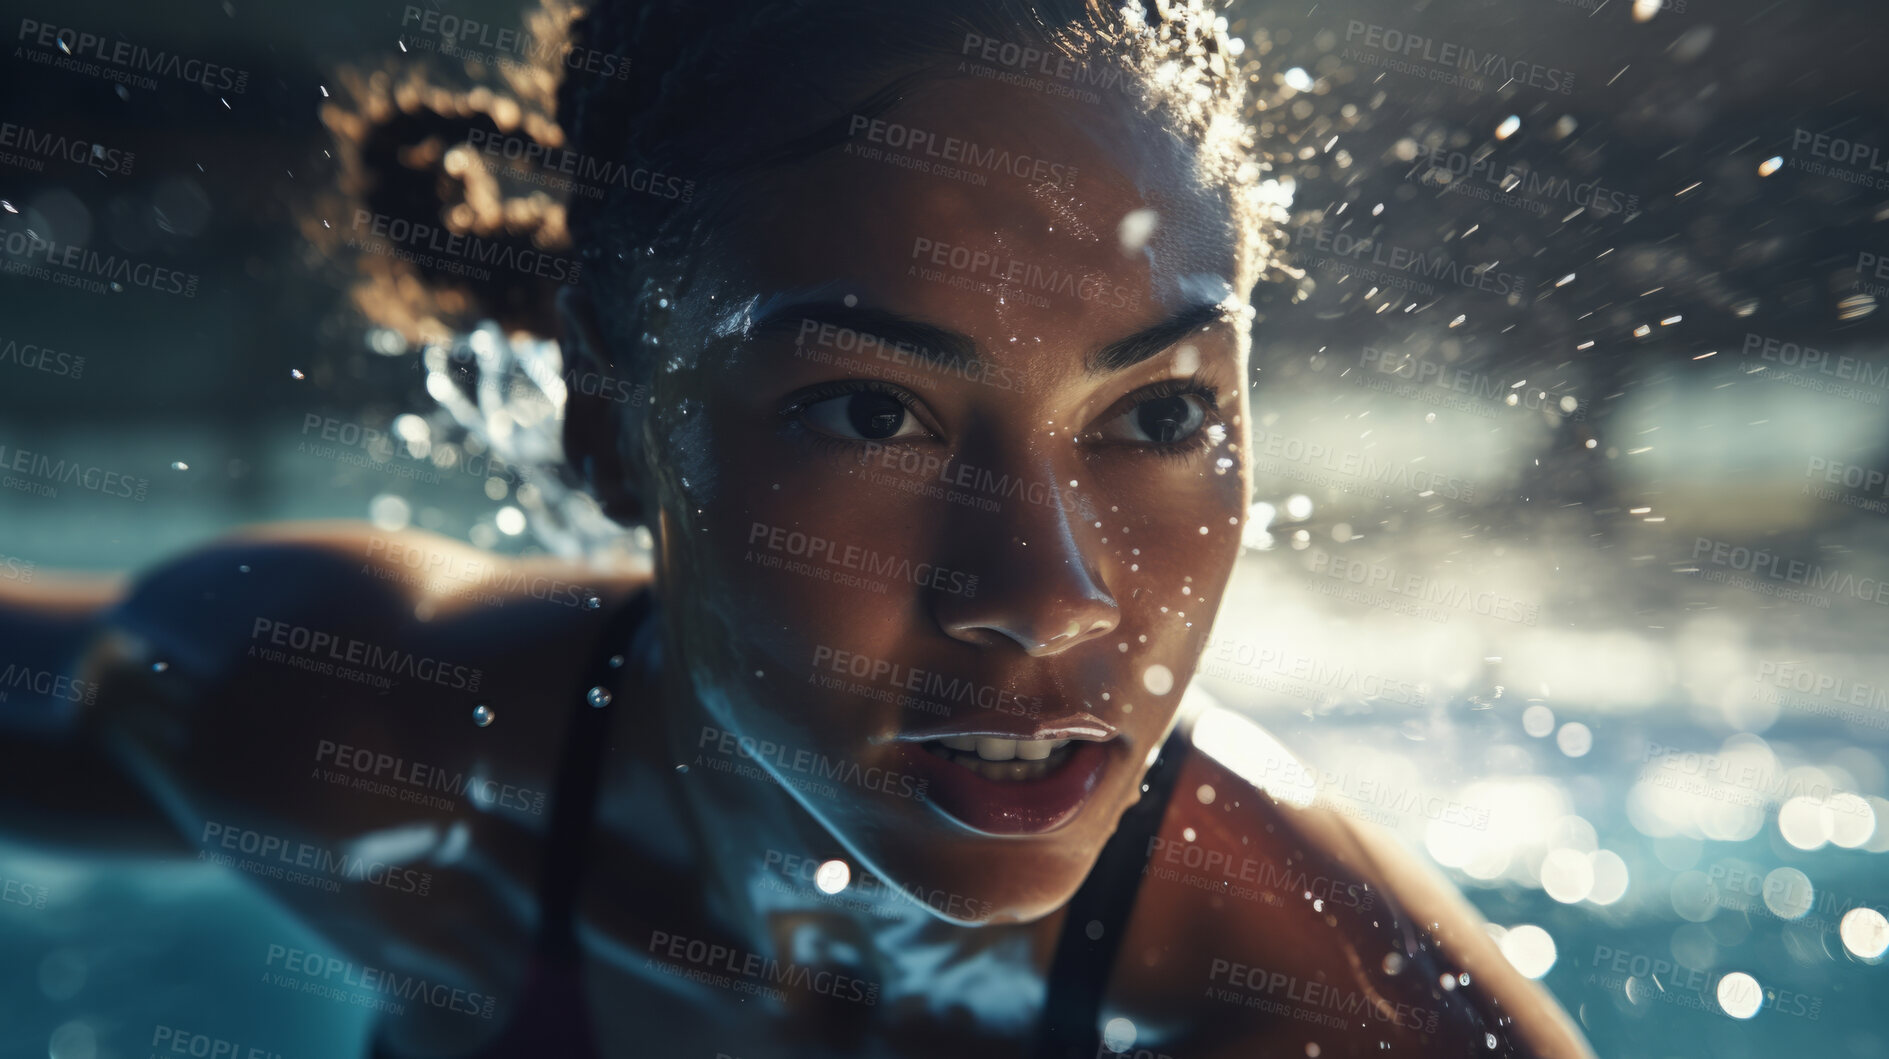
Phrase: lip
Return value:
(1012, 807)
(1079, 725)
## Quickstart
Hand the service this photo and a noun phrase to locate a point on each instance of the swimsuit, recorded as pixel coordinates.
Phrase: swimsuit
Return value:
(551, 1017)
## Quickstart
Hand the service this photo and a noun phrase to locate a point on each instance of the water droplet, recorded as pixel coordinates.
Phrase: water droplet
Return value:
(1158, 679)
(483, 715)
(598, 697)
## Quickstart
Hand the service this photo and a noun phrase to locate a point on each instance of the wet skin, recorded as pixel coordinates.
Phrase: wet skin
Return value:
(1107, 551)
(1085, 595)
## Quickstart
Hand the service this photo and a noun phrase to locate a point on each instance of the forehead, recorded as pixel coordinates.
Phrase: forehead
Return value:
(1014, 218)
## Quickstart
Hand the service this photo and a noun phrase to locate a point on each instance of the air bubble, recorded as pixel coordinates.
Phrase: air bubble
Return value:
(598, 697)
(483, 715)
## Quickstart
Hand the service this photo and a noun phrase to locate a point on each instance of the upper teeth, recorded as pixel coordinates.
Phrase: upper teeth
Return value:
(991, 748)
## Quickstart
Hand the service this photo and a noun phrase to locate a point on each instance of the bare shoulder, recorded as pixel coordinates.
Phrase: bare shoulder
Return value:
(346, 576)
(1264, 920)
(317, 612)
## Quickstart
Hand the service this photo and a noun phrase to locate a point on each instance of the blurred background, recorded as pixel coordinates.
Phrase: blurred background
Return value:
(1571, 447)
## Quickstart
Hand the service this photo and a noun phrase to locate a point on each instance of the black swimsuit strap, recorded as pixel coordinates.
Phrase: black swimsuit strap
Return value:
(550, 1016)
(580, 771)
(1098, 915)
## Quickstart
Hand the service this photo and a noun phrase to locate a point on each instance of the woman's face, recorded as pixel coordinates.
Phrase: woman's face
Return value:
(949, 479)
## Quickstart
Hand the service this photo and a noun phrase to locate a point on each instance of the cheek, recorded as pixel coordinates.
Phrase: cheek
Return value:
(773, 576)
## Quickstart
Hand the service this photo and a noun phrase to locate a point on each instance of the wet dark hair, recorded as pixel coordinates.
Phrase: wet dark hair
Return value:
(698, 102)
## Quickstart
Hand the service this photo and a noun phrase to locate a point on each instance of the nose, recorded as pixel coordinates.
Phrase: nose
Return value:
(1036, 586)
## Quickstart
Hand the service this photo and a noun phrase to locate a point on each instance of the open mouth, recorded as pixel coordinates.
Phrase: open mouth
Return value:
(1004, 760)
(1007, 785)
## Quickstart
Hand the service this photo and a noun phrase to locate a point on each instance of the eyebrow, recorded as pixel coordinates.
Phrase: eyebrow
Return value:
(1130, 351)
(944, 347)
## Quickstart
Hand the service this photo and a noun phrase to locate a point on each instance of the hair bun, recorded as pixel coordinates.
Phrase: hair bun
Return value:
(445, 212)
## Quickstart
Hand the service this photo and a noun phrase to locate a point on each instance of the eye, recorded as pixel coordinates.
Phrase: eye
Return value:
(1165, 415)
(858, 411)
